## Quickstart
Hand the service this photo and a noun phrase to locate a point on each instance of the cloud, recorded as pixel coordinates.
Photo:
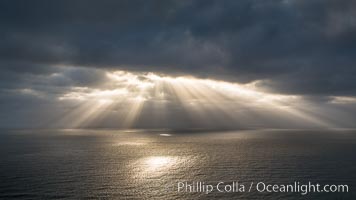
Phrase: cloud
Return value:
(288, 43)
(74, 97)
(290, 47)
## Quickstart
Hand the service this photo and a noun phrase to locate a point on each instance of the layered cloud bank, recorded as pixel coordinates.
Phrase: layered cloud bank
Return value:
(76, 97)
(178, 63)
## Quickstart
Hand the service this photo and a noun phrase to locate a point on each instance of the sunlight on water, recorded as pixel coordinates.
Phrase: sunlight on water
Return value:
(155, 163)
(130, 144)
(165, 135)
(161, 165)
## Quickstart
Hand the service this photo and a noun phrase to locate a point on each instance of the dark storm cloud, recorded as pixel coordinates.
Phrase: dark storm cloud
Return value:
(295, 46)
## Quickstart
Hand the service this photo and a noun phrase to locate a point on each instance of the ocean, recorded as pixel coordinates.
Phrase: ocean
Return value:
(163, 164)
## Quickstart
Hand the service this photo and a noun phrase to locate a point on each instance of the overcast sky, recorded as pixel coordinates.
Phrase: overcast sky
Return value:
(299, 48)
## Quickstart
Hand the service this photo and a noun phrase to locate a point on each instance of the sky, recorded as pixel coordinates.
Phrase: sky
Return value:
(178, 64)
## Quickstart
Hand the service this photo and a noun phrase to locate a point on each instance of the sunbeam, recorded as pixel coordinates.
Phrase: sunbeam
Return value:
(203, 101)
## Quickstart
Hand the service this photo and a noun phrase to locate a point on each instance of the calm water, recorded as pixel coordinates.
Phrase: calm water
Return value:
(92, 164)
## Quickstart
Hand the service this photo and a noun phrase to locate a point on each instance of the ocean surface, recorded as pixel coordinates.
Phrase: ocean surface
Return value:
(150, 164)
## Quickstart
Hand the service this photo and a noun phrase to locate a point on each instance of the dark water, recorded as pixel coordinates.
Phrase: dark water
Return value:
(109, 164)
